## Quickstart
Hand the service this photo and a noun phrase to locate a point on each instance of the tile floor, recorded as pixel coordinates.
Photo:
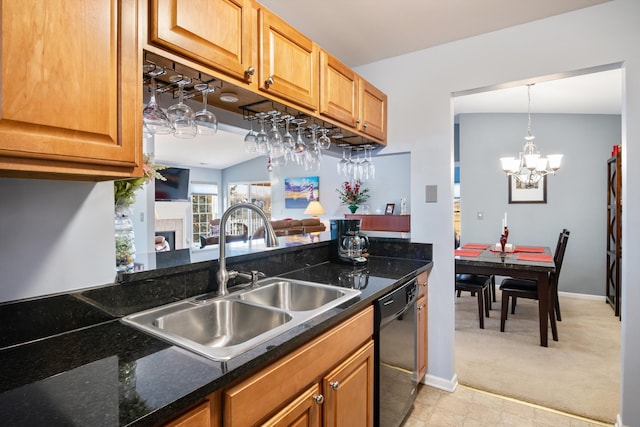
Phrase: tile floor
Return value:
(467, 407)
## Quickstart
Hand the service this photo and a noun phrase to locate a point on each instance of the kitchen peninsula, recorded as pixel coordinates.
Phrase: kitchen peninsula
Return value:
(67, 358)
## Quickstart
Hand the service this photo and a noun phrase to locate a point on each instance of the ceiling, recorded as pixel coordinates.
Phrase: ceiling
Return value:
(363, 31)
(361, 34)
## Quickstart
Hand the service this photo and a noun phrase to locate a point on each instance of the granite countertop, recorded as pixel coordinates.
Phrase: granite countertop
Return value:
(105, 373)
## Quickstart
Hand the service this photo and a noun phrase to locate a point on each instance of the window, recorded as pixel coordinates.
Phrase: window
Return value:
(204, 206)
(258, 193)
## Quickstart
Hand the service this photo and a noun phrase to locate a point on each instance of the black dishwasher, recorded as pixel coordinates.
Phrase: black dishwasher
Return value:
(395, 350)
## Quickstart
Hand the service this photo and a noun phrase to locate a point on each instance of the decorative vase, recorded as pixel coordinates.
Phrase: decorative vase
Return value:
(353, 208)
(125, 238)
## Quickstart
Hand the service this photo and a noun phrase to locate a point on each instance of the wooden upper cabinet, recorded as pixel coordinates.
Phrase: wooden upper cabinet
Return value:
(339, 90)
(350, 99)
(70, 89)
(215, 33)
(288, 61)
(373, 111)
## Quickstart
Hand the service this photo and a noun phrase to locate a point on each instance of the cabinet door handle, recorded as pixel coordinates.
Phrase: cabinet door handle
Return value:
(249, 72)
(269, 82)
(319, 399)
(421, 307)
(334, 385)
(364, 126)
(358, 121)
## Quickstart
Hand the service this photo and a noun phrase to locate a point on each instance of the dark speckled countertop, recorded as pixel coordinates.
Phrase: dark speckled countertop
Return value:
(104, 373)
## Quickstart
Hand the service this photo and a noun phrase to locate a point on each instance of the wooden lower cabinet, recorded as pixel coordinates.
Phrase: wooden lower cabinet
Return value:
(205, 414)
(304, 411)
(345, 397)
(333, 372)
(348, 391)
(422, 319)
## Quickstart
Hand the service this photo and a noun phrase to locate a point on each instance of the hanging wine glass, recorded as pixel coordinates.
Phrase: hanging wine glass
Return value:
(288, 142)
(324, 141)
(356, 162)
(344, 165)
(371, 169)
(365, 168)
(154, 119)
(300, 147)
(205, 120)
(251, 139)
(180, 114)
(262, 142)
(274, 138)
(313, 154)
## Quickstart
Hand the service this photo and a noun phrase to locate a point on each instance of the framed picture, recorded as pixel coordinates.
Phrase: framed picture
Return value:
(298, 192)
(518, 193)
(389, 209)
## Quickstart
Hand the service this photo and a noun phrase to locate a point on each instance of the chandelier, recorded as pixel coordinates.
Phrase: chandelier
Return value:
(529, 167)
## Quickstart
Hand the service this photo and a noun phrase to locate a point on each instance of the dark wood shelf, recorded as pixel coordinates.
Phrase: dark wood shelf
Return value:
(614, 232)
(397, 223)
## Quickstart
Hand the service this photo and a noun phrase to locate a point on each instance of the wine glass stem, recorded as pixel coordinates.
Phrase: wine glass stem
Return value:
(180, 92)
(204, 100)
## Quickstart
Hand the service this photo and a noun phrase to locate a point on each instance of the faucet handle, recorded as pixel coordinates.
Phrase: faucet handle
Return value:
(254, 275)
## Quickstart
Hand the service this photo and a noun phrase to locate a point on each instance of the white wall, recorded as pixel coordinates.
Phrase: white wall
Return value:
(56, 236)
(576, 195)
(419, 86)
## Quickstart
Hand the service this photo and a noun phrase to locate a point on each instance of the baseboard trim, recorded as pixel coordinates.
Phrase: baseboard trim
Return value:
(582, 296)
(619, 421)
(441, 383)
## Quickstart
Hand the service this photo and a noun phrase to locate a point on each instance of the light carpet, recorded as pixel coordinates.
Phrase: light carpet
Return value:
(579, 374)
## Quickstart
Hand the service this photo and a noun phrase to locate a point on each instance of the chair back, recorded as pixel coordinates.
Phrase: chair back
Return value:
(558, 257)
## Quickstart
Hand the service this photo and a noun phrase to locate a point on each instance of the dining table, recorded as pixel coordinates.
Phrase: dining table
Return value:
(523, 262)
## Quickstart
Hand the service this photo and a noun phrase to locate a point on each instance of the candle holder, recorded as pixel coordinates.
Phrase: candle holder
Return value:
(503, 242)
(505, 232)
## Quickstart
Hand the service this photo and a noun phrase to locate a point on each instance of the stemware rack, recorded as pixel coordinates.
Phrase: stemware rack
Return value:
(249, 106)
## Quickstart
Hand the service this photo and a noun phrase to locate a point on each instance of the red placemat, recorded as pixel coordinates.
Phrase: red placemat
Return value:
(467, 252)
(523, 256)
(475, 246)
(536, 249)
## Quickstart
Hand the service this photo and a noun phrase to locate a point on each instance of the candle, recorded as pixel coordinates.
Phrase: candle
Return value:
(505, 220)
(502, 229)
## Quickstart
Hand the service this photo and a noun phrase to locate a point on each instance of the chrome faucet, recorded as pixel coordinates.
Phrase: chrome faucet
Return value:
(270, 238)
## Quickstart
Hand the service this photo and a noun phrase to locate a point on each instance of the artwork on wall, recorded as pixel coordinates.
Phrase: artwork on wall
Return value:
(298, 192)
(519, 193)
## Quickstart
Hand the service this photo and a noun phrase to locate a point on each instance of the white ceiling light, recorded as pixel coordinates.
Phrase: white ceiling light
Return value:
(229, 97)
(530, 167)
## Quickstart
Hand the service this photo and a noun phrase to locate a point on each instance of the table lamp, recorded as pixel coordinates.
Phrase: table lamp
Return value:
(314, 208)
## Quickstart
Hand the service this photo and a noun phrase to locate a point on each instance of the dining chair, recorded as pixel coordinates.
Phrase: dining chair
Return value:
(478, 285)
(523, 288)
(556, 304)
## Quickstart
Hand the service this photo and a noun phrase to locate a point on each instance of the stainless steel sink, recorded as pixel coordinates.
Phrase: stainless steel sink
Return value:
(221, 323)
(294, 296)
(224, 327)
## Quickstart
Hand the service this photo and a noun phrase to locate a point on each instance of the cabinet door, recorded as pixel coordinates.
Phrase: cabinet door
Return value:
(288, 62)
(200, 416)
(216, 33)
(338, 90)
(422, 337)
(70, 89)
(304, 411)
(373, 111)
(423, 280)
(349, 391)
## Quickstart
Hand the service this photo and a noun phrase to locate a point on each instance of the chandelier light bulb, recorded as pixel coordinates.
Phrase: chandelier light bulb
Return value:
(530, 167)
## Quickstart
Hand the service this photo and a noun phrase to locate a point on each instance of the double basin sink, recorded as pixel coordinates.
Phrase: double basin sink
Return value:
(226, 326)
